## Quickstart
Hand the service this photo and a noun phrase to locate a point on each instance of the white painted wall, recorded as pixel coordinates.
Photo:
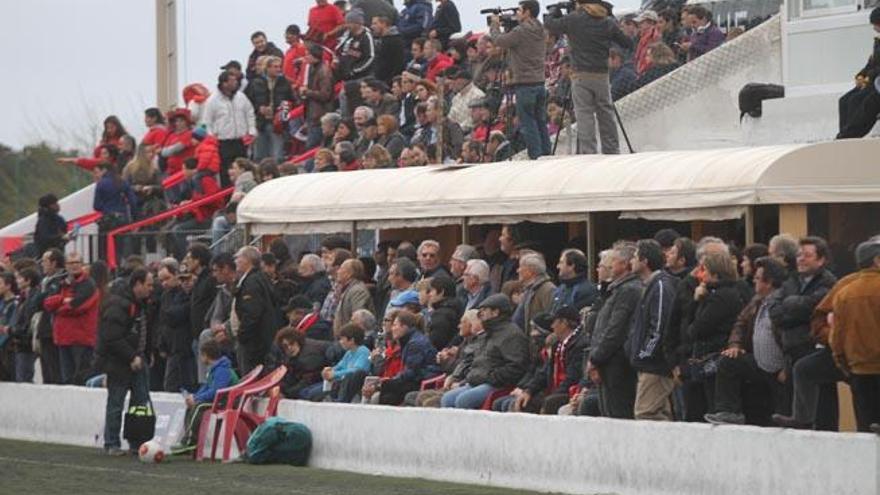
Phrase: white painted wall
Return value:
(563, 454)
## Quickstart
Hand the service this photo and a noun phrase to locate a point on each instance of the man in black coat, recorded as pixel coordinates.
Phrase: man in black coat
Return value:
(446, 22)
(255, 316)
(198, 261)
(261, 47)
(305, 358)
(390, 51)
(121, 353)
(51, 230)
(176, 332)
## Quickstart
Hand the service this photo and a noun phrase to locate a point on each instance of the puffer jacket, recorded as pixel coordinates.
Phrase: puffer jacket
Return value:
(75, 312)
(505, 357)
(208, 154)
(178, 146)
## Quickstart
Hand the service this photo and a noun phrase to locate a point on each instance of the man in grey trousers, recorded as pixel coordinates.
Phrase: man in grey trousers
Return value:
(591, 30)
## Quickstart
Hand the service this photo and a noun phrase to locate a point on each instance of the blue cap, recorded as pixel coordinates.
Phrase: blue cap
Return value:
(404, 298)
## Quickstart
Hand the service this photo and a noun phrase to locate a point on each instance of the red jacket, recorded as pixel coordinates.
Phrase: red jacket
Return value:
(174, 163)
(439, 63)
(207, 186)
(155, 136)
(75, 321)
(208, 154)
(641, 55)
(322, 20)
(393, 361)
(293, 61)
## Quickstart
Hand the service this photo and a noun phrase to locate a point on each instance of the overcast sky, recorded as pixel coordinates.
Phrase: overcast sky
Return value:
(70, 63)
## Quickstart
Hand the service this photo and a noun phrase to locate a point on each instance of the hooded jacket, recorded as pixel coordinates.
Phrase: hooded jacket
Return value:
(208, 154)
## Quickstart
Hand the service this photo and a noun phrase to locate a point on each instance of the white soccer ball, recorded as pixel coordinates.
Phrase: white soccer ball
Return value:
(151, 452)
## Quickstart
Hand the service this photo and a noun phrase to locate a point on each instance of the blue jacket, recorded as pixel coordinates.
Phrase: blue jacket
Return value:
(115, 198)
(415, 19)
(419, 358)
(353, 360)
(219, 376)
(578, 292)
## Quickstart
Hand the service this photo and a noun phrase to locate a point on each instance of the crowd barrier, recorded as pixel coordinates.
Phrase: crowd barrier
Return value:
(558, 454)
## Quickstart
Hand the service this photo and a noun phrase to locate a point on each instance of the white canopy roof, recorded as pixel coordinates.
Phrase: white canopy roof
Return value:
(712, 184)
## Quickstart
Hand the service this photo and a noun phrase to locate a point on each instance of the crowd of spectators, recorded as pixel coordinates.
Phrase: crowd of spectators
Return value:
(673, 329)
(366, 86)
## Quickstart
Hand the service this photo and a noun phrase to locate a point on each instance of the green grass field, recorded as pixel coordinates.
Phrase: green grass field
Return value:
(40, 468)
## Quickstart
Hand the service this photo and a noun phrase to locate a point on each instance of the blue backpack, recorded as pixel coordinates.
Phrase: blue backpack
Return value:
(279, 442)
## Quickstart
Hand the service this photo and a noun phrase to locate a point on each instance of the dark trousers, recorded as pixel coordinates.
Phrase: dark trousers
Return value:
(230, 149)
(699, 398)
(394, 391)
(75, 362)
(182, 230)
(180, 372)
(350, 386)
(858, 110)
(866, 399)
(617, 392)
(739, 376)
(50, 362)
(248, 359)
(815, 378)
(139, 386)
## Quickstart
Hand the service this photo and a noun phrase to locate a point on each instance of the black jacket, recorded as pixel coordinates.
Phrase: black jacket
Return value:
(175, 328)
(304, 369)
(444, 322)
(201, 299)
(791, 307)
(119, 333)
(316, 288)
(573, 356)
(357, 56)
(611, 328)
(714, 317)
(251, 69)
(261, 95)
(257, 314)
(652, 325)
(390, 59)
(50, 229)
(446, 22)
(503, 360)
(872, 68)
(590, 39)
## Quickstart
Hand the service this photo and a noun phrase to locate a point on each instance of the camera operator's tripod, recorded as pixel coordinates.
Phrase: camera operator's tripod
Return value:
(504, 93)
(566, 103)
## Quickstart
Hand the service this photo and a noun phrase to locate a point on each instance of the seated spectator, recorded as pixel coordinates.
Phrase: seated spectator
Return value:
(241, 173)
(220, 375)
(538, 289)
(707, 36)
(408, 101)
(179, 145)
(470, 330)
(346, 378)
(389, 136)
(466, 92)
(412, 157)
(472, 152)
(207, 150)
(502, 363)
(499, 148)
(623, 74)
(860, 106)
(754, 351)
(446, 311)
(435, 60)
(368, 135)
(377, 157)
(661, 61)
(649, 34)
(156, 130)
(301, 315)
(375, 95)
(418, 356)
(351, 292)
(345, 157)
(476, 284)
(314, 282)
(325, 161)
(751, 254)
(345, 131)
(431, 124)
(547, 390)
(329, 125)
(305, 359)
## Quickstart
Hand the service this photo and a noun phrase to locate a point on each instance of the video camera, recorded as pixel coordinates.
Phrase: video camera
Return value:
(555, 11)
(507, 17)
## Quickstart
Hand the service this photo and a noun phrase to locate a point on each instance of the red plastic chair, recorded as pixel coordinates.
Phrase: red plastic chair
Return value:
(239, 419)
(497, 394)
(221, 398)
(433, 383)
(209, 434)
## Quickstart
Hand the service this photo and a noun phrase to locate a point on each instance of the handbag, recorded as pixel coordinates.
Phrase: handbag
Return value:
(140, 424)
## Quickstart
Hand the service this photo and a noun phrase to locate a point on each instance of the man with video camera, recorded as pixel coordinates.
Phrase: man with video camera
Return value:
(591, 30)
(525, 44)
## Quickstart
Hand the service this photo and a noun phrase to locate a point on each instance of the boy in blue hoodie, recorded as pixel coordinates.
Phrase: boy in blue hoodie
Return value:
(347, 377)
(220, 376)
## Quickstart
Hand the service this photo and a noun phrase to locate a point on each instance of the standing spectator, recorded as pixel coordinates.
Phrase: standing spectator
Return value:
(262, 47)
(390, 50)
(317, 93)
(855, 338)
(681, 258)
(201, 184)
(408, 103)
(198, 264)
(376, 8)
(217, 319)
(22, 332)
(415, 20)
(436, 62)
(649, 34)
(707, 36)
(751, 254)
(357, 58)
(649, 336)
(446, 22)
(52, 264)
(122, 353)
(352, 294)
(229, 116)
(176, 332)
(591, 31)
(325, 20)
(145, 179)
(754, 351)
(267, 92)
(608, 364)
(294, 57)
(500, 364)
(792, 305)
(575, 288)
(389, 136)
(116, 202)
(525, 45)
(8, 306)
(255, 316)
(446, 311)
(156, 130)
(466, 92)
(417, 63)
(51, 229)
(178, 146)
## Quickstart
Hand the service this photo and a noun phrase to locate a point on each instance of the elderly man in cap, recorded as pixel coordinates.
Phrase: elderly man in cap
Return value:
(502, 363)
(466, 92)
(356, 59)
